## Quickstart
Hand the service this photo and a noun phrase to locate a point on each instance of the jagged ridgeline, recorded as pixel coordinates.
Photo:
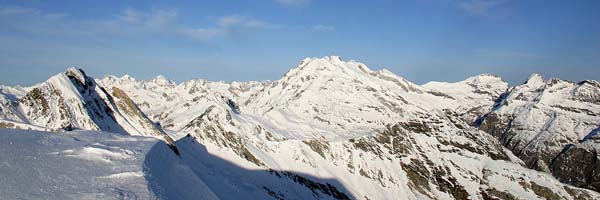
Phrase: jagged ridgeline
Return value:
(335, 129)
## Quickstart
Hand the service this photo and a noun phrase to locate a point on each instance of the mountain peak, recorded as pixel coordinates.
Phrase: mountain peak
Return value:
(590, 82)
(331, 58)
(76, 73)
(75, 70)
(534, 78)
(162, 80)
(484, 79)
(127, 77)
(327, 66)
(110, 79)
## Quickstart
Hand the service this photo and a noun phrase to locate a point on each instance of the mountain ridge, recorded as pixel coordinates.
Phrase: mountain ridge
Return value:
(73, 100)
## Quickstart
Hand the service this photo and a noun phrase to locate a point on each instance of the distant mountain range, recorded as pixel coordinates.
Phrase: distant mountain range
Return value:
(332, 129)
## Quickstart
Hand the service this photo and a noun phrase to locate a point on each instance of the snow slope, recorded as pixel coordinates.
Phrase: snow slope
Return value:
(74, 165)
(99, 165)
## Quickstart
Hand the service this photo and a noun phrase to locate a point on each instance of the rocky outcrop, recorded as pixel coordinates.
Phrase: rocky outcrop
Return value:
(578, 165)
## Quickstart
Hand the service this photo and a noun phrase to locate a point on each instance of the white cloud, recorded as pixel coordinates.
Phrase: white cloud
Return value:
(129, 16)
(297, 3)
(16, 10)
(161, 19)
(127, 22)
(323, 28)
(481, 7)
(224, 26)
(241, 21)
(28, 12)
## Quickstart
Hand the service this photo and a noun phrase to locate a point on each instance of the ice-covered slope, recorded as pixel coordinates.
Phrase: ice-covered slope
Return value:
(552, 125)
(72, 100)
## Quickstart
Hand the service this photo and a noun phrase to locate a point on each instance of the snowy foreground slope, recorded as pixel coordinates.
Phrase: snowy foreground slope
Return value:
(334, 129)
(73, 165)
(100, 165)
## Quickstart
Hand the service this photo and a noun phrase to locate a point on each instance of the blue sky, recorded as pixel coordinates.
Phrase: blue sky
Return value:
(421, 40)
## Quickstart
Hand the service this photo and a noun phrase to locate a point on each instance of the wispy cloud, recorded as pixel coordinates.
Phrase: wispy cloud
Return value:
(129, 21)
(323, 28)
(295, 3)
(507, 54)
(161, 20)
(166, 21)
(481, 7)
(9, 10)
(225, 26)
(31, 20)
(129, 16)
(18, 10)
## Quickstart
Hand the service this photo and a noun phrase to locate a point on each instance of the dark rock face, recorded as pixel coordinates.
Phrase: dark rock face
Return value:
(208, 127)
(493, 124)
(574, 165)
(233, 106)
(578, 166)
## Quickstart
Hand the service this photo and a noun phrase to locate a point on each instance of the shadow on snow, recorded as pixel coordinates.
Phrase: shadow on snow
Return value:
(199, 175)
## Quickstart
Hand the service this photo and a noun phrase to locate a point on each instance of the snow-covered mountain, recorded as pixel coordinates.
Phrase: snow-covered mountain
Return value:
(341, 119)
(332, 98)
(72, 100)
(334, 129)
(552, 126)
